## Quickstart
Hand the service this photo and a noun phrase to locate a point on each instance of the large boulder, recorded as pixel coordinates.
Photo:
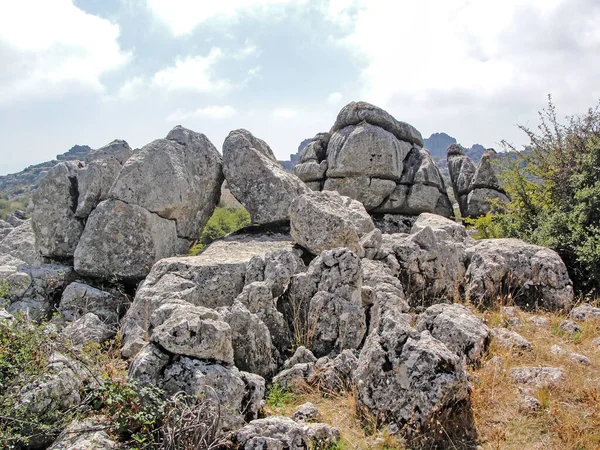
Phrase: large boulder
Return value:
(177, 178)
(57, 229)
(457, 327)
(118, 150)
(213, 279)
(123, 241)
(79, 299)
(408, 378)
(20, 244)
(325, 220)
(532, 276)
(95, 181)
(257, 180)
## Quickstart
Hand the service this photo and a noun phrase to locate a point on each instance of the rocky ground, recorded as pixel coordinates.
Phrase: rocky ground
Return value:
(376, 306)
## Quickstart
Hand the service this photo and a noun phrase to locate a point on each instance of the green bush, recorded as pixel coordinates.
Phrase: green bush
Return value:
(222, 222)
(555, 194)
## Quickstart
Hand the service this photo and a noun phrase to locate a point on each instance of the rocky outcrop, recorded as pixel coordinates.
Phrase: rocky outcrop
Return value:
(79, 299)
(256, 178)
(533, 276)
(57, 229)
(88, 328)
(373, 158)
(326, 220)
(476, 187)
(213, 279)
(159, 202)
(20, 244)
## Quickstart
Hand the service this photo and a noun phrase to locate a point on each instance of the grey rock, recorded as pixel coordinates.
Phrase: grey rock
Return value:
(406, 377)
(510, 339)
(311, 171)
(393, 223)
(585, 312)
(569, 327)
(251, 340)
(577, 357)
(371, 243)
(148, 365)
(257, 180)
(532, 275)
(20, 244)
(371, 192)
(14, 221)
(334, 375)
(302, 355)
(5, 316)
(57, 230)
(124, 240)
(177, 178)
(456, 231)
(365, 150)
(213, 279)
(294, 377)
(88, 328)
(539, 321)
(537, 376)
(528, 401)
(194, 332)
(306, 413)
(79, 299)
(88, 434)
(280, 433)
(5, 229)
(458, 328)
(356, 112)
(118, 150)
(34, 309)
(325, 220)
(480, 201)
(95, 181)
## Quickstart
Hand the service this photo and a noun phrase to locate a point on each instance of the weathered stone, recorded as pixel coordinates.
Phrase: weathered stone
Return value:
(57, 230)
(569, 327)
(356, 112)
(148, 365)
(301, 355)
(585, 312)
(458, 328)
(438, 223)
(213, 279)
(280, 433)
(88, 434)
(191, 333)
(510, 339)
(257, 180)
(306, 413)
(295, 376)
(325, 220)
(251, 340)
(311, 171)
(5, 229)
(532, 275)
(177, 178)
(124, 240)
(406, 377)
(371, 192)
(480, 201)
(117, 149)
(88, 328)
(334, 375)
(95, 181)
(365, 150)
(79, 299)
(537, 376)
(539, 321)
(577, 357)
(20, 244)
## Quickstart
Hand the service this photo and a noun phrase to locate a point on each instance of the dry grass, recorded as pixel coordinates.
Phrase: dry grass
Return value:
(570, 413)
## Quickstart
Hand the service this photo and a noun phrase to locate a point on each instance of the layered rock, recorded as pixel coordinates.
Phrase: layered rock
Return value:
(476, 188)
(159, 202)
(377, 160)
(256, 178)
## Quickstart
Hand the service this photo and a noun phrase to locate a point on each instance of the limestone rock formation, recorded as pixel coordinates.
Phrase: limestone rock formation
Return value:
(533, 275)
(326, 220)
(474, 186)
(20, 244)
(88, 434)
(79, 299)
(256, 178)
(88, 328)
(57, 229)
(118, 150)
(373, 158)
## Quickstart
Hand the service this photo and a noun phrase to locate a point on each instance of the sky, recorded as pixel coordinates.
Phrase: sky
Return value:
(90, 71)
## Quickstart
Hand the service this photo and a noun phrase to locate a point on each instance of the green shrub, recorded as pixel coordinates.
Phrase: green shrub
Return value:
(555, 194)
(222, 222)
(278, 397)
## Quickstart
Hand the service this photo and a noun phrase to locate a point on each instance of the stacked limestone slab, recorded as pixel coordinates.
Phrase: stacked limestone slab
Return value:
(370, 156)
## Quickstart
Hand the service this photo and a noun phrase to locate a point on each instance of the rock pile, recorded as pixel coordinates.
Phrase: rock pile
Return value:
(474, 186)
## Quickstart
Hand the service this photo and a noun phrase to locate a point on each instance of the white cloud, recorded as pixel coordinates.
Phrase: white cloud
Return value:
(193, 73)
(476, 63)
(285, 113)
(182, 16)
(130, 89)
(49, 48)
(246, 51)
(254, 72)
(211, 112)
(334, 98)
